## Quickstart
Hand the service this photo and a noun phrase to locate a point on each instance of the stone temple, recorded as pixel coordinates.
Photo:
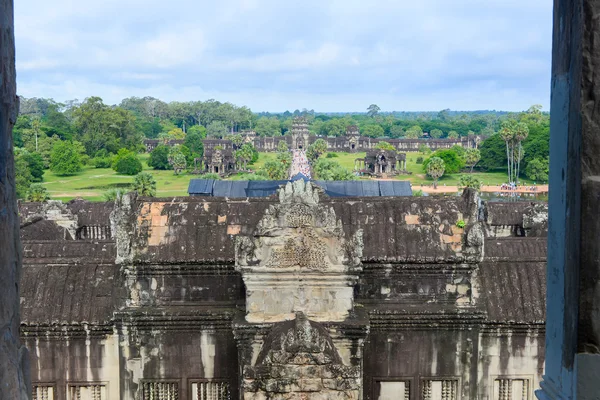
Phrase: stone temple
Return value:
(293, 296)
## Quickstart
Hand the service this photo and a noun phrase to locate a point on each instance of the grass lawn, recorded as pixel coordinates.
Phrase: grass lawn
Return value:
(419, 177)
(92, 183)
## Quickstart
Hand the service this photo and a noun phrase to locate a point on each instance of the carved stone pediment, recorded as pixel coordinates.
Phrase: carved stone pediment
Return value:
(217, 157)
(300, 360)
(299, 259)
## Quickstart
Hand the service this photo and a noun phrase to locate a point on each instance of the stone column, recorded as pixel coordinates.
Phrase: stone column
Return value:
(14, 369)
(573, 277)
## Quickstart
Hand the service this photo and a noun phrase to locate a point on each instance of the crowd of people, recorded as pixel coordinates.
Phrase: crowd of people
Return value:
(512, 186)
(300, 164)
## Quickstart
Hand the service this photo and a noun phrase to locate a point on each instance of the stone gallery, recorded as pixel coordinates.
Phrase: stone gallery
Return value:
(294, 296)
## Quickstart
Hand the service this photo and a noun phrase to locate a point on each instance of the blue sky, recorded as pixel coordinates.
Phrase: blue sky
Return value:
(273, 55)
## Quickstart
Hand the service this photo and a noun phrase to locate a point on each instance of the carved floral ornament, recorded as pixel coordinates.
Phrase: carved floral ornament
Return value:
(300, 233)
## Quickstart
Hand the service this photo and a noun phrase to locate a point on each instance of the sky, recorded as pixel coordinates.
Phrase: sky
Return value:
(277, 55)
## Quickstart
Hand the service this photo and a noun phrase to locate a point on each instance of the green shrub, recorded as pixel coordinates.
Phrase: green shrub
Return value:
(37, 192)
(210, 175)
(418, 193)
(64, 159)
(159, 158)
(419, 160)
(331, 155)
(102, 162)
(144, 184)
(127, 163)
(113, 194)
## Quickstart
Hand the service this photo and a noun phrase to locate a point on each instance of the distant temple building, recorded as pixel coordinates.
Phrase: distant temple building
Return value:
(219, 157)
(381, 162)
(299, 137)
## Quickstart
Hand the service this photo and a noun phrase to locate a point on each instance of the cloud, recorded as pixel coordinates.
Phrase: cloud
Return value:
(336, 55)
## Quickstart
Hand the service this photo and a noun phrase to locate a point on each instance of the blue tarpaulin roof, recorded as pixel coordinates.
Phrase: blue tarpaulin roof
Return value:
(395, 188)
(299, 176)
(263, 188)
(243, 189)
(233, 189)
(201, 187)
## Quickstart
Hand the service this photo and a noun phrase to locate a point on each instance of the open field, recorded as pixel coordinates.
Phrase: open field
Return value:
(92, 183)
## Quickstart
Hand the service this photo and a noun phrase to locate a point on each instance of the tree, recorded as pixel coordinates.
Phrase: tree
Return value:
(38, 193)
(372, 131)
(282, 146)
(216, 129)
(453, 135)
(521, 133)
(423, 148)
(268, 127)
(435, 169)
(144, 184)
(193, 141)
(177, 159)
(159, 158)
(65, 159)
(537, 169)
(176, 134)
(335, 127)
(472, 157)
(414, 132)
(396, 132)
(436, 133)
(198, 130)
(99, 126)
(513, 133)
(275, 170)
(385, 146)
(237, 141)
(469, 181)
(453, 163)
(127, 163)
(35, 163)
(244, 154)
(113, 194)
(23, 176)
(493, 154)
(372, 110)
(316, 150)
(330, 170)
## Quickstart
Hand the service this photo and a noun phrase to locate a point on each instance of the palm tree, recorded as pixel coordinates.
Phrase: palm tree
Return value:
(508, 134)
(145, 184)
(38, 193)
(435, 169)
(521, 133)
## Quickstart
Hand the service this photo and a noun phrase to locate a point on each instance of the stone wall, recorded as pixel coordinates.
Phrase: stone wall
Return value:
(169, 302)
(14, 368)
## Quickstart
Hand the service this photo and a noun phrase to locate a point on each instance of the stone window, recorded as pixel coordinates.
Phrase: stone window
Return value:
(160, 391)
(394, 390)
(444, 389)
(89, 391)
(213, 390)
(42, 392)
(511, 389)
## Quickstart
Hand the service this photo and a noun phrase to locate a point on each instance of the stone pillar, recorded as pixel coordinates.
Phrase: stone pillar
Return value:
(573, 277)
(14, 368)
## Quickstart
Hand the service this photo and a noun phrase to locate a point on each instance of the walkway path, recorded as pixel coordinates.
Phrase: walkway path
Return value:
(300, 164)
(490, 189)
